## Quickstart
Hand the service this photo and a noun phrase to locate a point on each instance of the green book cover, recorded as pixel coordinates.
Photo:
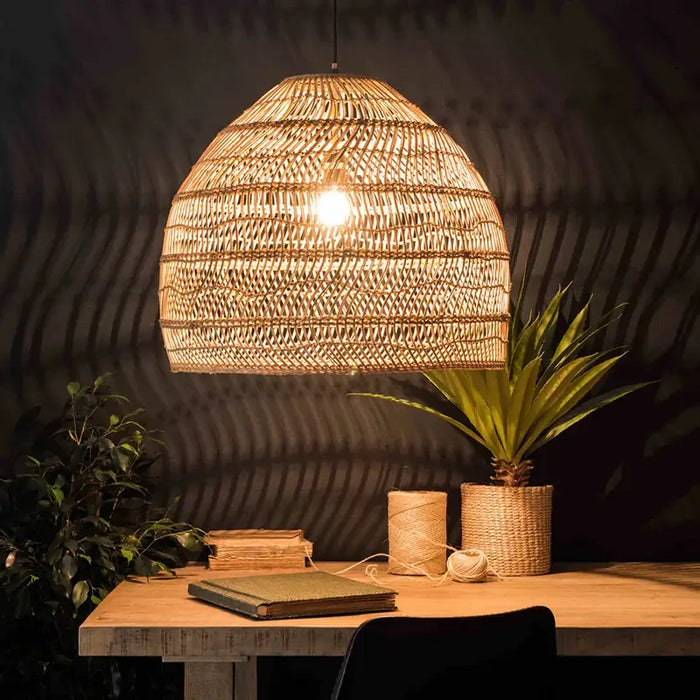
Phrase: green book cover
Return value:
(298, 594)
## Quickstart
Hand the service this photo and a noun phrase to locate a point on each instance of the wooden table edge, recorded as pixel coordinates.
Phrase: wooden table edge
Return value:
(571, 641)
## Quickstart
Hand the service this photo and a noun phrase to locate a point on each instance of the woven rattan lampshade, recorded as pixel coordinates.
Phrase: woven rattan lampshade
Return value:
(331, 228)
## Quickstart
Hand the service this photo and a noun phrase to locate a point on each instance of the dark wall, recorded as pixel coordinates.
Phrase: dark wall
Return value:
(583, 118)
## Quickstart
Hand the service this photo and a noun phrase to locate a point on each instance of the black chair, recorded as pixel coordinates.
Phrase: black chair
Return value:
(509, 655)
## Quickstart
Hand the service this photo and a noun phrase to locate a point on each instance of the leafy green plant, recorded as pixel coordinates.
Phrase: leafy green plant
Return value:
(537, 396)
(76, 518)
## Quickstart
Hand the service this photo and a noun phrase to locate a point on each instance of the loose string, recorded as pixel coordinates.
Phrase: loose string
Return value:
(463, 565)
(474, 566)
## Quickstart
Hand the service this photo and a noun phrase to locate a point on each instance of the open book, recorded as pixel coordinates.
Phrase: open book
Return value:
(299, 594)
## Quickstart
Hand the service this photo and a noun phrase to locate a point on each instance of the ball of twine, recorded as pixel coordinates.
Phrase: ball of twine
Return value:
(417, 532)
(468, 566)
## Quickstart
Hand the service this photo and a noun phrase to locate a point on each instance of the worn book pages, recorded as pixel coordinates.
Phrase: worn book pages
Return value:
(258, 549)
(278, 537)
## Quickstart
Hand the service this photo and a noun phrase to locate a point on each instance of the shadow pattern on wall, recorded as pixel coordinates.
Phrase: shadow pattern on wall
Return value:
(581, 116)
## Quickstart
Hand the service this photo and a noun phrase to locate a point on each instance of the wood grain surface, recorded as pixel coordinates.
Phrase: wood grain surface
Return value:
(600, 609)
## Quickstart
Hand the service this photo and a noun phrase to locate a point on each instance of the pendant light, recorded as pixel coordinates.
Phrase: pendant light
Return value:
(333, 227)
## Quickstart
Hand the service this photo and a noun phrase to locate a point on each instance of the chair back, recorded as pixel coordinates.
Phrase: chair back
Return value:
(509, 655)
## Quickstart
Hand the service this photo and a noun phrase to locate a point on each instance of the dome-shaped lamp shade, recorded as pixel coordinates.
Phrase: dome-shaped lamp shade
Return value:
(333, 228)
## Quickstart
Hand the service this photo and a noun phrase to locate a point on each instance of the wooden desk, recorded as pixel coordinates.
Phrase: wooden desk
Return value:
(636, 609)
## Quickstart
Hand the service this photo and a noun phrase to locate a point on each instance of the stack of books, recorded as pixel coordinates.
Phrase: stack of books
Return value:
(258, 549)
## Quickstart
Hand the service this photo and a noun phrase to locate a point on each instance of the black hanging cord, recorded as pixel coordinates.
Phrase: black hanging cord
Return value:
(334, 64)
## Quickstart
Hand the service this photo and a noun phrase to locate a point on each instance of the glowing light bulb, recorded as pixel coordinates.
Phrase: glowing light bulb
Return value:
(333, 208)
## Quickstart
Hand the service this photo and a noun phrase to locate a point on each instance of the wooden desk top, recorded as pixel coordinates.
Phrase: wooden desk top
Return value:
(644, 609)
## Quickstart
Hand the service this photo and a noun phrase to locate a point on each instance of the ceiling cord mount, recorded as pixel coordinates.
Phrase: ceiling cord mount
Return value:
(334, 62)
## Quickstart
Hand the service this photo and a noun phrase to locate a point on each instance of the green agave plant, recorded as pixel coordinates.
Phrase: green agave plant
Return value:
(538, 395)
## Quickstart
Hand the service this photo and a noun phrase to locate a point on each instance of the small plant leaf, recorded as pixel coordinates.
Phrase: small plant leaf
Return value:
(80, 593)
(160, 566)
(73, 389)
(69, 567)
(106, 444)
(121, 460)
(102, 379)
(57, 494)
(188, 540)
(143, 566)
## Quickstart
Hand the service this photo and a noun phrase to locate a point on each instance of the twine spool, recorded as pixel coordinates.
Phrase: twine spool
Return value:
(417, 532)
(468, 566)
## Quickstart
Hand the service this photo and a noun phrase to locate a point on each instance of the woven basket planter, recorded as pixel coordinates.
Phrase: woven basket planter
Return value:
(511, 525)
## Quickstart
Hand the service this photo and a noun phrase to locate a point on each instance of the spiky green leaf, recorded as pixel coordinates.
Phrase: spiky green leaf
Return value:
(413, 404)
(497, 397)
(575, 329)
(584, 410)
(458, 390)
(546, 404)
(523, 351)
(479, 411)
(546, 324)
(515, 411)
(585, 382)
(519, 408)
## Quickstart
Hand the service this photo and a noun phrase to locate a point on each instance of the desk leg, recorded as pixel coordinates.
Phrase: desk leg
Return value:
(246, 679)
(208, 680)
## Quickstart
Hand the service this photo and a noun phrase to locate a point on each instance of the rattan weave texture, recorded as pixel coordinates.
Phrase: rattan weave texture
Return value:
(512, 525)
(416, 278)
